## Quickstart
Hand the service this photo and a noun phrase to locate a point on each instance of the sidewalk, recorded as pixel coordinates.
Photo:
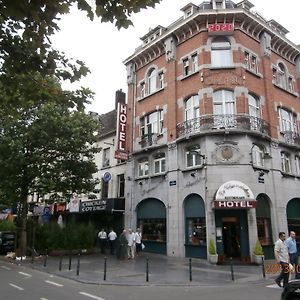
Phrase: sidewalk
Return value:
(163, 270)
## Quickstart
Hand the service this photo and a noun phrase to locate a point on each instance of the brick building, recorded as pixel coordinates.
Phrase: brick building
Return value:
(213, 133)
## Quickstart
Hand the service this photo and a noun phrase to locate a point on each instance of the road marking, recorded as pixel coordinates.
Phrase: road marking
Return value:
(43, 299)
(5, 268)
(16, 287)
(91, 296)
(25, 274)
(273, 286)
(53, 283)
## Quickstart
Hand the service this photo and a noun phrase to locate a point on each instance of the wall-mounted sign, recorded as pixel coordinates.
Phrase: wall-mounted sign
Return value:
(172, 182)
(106, 177)
(121, 152)
(235, 204)
(220, 28)
(92, 206)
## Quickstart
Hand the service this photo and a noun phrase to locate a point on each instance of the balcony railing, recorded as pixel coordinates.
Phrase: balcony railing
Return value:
(148, 140)
(291, 137)
(220, 122)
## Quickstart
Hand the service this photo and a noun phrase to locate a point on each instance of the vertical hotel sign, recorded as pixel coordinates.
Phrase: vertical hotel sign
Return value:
(121, 152)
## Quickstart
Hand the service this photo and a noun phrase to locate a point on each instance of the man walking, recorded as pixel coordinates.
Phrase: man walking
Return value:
(282, 257)
(292, 248)
(131, 244)
(102, 236)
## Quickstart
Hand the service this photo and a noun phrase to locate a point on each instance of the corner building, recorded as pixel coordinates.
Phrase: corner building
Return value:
(214, 110)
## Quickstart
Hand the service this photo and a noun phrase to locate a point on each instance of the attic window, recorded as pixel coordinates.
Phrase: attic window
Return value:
(188, 12)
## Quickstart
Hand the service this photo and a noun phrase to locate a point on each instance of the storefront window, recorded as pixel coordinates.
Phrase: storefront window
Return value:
(263, 230)
(196, 231)
(153, 230)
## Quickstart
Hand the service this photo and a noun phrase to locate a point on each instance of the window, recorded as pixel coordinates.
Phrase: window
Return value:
(160, 164)
(106, 155)
(153, 229)
(152, 123)
(282, 79)
(104, 189)
(251, 62)
(297, 165)
(194, 63)
(287, 120)
(254, 112)
(263, 230)
(121, 185)
(196, 231)
(161, 80)
(192, 108)
(185, 67)
(281, 76)
(224, 109)
(221, 52)
(152, 81)
(143, 168)
(285, 162)
(257, 156)
(143, 90)
(194, 156)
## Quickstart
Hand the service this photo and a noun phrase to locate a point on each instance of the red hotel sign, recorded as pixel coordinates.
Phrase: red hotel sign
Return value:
(235, 204)
(121, 152)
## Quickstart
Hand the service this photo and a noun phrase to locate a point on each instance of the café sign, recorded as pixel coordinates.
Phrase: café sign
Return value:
(92, 206)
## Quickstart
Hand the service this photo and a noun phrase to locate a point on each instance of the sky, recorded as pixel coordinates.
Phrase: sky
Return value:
(103, 47)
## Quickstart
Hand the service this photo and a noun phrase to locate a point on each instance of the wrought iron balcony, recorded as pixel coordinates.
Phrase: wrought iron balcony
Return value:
(221, 122)
(291, 137)
(148, 140)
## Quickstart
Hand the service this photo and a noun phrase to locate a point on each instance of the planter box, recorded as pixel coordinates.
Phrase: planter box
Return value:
(257, 259)
(213, 258)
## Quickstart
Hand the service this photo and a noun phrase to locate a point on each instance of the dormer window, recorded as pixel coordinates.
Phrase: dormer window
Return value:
(189, 9)
(218, 4)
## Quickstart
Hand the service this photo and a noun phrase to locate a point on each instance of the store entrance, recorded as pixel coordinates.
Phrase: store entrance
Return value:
(231, 237)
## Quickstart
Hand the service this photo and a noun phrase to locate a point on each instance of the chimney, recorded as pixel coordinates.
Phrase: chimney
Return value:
(120, 97)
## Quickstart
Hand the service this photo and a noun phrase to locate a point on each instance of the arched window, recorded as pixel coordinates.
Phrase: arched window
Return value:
(257, 156)
(254, 112)
(152, 81)
(287, 120)
(221, 52)
(192, 108)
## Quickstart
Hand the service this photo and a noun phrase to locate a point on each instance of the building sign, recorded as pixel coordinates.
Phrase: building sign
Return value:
(92, 206)
(220, 28)
(235, 204)
(234, 194)
(121, 152)
(172, 182)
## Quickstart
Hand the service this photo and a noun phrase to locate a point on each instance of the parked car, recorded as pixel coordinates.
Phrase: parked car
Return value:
(7, 241)
(291, 291)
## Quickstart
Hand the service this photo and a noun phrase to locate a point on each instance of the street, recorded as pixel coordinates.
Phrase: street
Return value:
(29, 284)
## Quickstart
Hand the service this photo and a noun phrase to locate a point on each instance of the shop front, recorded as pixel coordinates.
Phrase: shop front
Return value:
(232, 203)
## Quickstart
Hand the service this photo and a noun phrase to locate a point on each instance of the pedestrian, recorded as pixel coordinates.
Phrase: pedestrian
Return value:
(293, 253)
(122, 249)
(138, 241)
(102, 236)
(131, 244)
(282, 257)
(112, 236)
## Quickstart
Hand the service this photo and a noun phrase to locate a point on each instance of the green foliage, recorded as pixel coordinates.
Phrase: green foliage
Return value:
(212, 247)
(72, 237)
(7, 225)
(258, 250)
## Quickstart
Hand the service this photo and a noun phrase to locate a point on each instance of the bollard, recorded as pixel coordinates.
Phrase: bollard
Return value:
(263, 267)
(70, 261)
(104, 273)
(45, 258)
(147, 269)
(78, 264)
(190, 268)
(231, 269)
(60, 262)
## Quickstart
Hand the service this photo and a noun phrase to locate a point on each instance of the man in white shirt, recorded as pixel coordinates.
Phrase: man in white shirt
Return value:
(282, 257)
(131, 244)
(112, 236)
(138, 241)
(102, 236)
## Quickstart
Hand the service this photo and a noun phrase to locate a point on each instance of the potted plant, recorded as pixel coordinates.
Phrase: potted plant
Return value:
(213, 256)
(258, 253)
